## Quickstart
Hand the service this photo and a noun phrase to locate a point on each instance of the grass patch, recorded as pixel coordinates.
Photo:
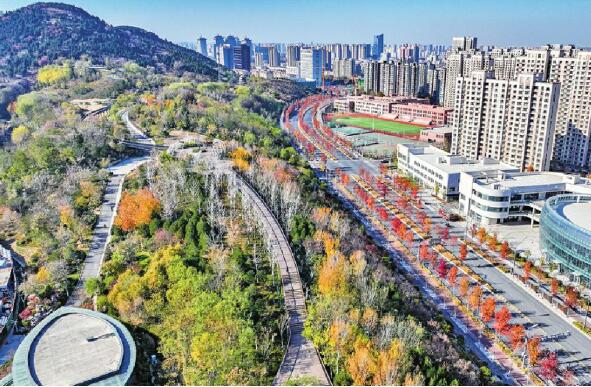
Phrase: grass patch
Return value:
(379, 124)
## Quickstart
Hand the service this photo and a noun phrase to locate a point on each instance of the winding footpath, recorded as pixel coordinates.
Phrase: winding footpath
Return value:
(101, 235)
(301, 358)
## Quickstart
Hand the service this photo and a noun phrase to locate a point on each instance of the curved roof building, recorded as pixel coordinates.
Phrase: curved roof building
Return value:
(74, 346)
(565, 234)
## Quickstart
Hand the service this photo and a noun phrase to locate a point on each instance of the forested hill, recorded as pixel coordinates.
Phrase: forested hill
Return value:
(42, 32)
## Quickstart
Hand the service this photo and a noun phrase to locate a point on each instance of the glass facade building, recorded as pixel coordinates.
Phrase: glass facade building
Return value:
(564, 242)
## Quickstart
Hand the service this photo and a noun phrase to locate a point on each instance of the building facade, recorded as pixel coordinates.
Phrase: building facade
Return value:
(512, 121)
(439, 170)
(311, 64)
(499, 196)
(565, 235)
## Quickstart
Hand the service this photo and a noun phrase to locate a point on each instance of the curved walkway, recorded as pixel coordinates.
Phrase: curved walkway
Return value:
(301, 358)
(101, 234)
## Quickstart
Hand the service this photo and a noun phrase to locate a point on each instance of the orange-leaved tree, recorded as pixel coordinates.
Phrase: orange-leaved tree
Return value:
(533, 350)
(136, 209)
(502, 318)
(452, 276)
(487, 309)
(464, 285)
(474, 299)
(362, 364)
(505, 249)
(463, 251)
(517, 334)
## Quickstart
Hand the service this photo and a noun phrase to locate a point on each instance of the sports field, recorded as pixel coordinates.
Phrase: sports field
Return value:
(379, 124)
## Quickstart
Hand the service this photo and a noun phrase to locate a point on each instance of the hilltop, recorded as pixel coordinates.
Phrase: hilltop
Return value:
(40, 33)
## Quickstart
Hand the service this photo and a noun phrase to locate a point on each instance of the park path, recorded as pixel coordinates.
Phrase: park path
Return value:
(101, 234)
(301, 358)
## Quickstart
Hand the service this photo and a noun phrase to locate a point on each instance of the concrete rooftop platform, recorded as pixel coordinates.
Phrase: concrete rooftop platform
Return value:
(74, 346)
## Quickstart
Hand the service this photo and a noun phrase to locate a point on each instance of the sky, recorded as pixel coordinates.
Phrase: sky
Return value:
(494, 22)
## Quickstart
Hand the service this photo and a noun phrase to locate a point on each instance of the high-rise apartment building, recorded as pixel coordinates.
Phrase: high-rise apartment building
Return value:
(371, 76)
(573, 120)
(202, 46)
(464, 43)
(378, 46)
(311, 64)
(293, 55)
(508, 120)
(218, 41)
(343, 68)
(400, 78)
(274, 59)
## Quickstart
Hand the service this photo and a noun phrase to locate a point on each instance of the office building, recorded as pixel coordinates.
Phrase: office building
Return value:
(511, 121)
(565, 236)
(226, 55)
(311, 64)
(241, 57)
(493, 197)
(231, 41)
(378, 46)
(439, 170)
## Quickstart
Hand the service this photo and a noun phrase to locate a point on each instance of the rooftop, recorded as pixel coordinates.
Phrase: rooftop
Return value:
(74, 346)
(499, 180)
(448, 163)
(577, 213)
(438, 129)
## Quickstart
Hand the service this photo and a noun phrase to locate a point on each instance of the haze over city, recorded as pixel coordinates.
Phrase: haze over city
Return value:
(501, 22)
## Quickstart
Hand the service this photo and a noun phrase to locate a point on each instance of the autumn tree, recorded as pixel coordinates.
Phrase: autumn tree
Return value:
(504, 249)
(487, 309)
(517, 333)
(481, 235)
(136, 209)
(361, 364)
(441, 268)
(423, 251)
(554, 287)
(533, 350)
(571, 299)
(463, 251)
(502, 318)
(333, 275)
(391, 364)
(339, 340)
(475, 296)
(527, 270)
(452, 276)
(464, 285)
(240, 159)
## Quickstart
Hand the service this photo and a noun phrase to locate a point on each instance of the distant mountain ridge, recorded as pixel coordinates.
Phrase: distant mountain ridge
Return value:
(42, 32)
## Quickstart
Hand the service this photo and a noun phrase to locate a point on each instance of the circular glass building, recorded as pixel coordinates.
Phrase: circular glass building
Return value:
(565, 235)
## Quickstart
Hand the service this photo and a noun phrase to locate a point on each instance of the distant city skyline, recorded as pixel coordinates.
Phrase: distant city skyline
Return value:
(500, 23)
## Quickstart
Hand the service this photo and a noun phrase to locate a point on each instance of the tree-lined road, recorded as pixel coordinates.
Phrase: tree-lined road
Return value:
(538, 318)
